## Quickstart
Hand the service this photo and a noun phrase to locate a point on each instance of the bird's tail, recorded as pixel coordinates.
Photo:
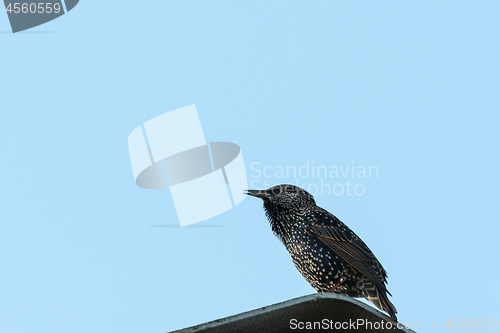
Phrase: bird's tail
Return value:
(378, 297)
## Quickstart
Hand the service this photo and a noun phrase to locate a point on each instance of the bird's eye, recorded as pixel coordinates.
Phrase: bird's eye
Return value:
(277, 190)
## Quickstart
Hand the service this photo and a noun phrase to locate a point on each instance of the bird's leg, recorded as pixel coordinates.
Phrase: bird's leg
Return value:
(332, 289)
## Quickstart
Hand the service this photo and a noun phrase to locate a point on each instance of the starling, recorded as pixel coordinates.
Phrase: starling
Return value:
(330, 256)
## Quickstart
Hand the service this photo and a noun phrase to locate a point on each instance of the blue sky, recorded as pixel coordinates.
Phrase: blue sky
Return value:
(409, 87)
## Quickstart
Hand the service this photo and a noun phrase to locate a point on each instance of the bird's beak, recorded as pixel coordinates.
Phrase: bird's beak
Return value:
(257, 193)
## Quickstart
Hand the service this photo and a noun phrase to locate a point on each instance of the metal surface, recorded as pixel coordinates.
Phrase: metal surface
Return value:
(312, 313)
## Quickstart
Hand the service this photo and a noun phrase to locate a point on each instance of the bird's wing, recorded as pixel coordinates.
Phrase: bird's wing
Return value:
(345, 243)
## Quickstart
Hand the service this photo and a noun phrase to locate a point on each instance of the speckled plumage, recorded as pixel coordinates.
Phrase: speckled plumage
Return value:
(330, 256)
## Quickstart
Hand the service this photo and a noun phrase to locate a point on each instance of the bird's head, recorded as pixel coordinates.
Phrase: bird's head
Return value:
(284, 197)
(284, 204)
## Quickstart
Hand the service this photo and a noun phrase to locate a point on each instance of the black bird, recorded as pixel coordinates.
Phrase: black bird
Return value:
(330, 256)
